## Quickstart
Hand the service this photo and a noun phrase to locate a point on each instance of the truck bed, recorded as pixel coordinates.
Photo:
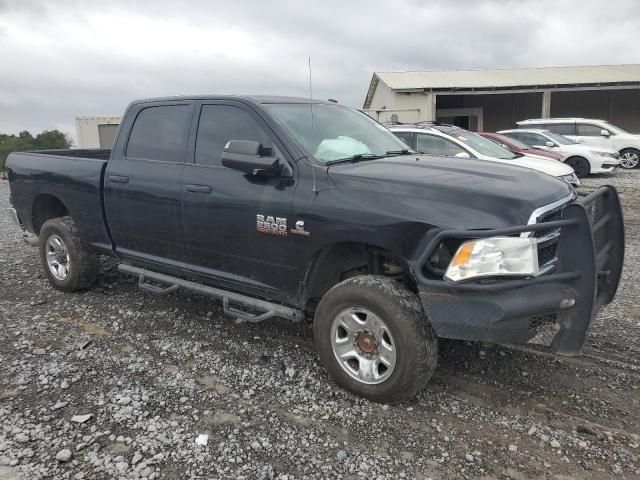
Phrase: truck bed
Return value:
(40, 180)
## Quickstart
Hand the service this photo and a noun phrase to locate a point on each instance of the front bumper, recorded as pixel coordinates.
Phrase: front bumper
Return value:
(590, 255)
(606, 167)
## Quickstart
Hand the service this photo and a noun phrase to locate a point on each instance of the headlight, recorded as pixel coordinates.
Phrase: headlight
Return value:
(604, 154)
(495, 256)
(571, 179)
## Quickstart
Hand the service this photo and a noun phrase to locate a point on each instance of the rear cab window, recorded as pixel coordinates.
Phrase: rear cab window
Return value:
(160, 133)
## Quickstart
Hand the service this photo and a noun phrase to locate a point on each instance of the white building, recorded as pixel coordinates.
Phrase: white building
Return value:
(496, 99)
(97, 132)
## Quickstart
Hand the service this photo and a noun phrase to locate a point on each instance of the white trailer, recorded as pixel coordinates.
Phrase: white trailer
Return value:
(97, 131)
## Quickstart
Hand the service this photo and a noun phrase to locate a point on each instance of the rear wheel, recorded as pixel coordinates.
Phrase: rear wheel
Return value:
(580, 166)
(374, 339)
(67, 261)
(629, 158)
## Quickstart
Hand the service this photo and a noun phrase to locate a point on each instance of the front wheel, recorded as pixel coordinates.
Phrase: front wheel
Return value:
(629, 158)
(374, 339)
(67, 261)
(580, 166)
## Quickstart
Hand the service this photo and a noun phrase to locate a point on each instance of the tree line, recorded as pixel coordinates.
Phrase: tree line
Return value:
(46, 140)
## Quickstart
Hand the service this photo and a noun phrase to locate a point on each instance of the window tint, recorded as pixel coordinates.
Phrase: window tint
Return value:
(405, 137)
(160, 133)
(561, 128)
(221, 123)
(531, 125)
(586, 130)
(533, 139)
(516, 135)
(432, 145)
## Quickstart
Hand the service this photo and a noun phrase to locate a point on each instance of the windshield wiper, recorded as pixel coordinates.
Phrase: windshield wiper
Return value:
(404, 151)
(354, 158)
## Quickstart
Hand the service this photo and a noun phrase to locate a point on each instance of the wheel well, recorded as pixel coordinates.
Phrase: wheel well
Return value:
(337, 262)
(578, 157)
(46, 207)
(629, 149)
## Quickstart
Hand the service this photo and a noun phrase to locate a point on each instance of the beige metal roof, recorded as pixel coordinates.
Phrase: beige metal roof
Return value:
(506, 78)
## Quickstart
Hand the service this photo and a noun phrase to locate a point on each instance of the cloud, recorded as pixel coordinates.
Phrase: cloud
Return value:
(68, 58)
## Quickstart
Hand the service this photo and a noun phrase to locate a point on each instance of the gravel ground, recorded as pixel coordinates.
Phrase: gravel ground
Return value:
(117, 383)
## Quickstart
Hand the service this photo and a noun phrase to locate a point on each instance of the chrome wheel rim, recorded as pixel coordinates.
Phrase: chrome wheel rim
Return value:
(629, 160)
(57, 257)
(363, 345)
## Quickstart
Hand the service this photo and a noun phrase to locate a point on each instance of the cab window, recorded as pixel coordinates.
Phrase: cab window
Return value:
(221, 123)
(160, 133)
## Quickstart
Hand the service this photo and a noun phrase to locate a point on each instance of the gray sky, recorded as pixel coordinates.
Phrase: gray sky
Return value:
(66, 58)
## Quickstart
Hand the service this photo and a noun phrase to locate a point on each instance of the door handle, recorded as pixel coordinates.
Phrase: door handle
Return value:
(199, 188)
(118, 179)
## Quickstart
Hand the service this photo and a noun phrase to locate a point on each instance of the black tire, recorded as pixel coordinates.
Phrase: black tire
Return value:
(83, 262)
(635, 158)
(415, 341)
(580, 166)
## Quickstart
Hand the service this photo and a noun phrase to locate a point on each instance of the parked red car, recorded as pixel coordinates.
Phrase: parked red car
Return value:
(517, 146)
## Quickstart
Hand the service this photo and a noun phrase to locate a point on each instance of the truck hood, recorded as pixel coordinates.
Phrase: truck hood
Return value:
(544, 165)
(447, 192)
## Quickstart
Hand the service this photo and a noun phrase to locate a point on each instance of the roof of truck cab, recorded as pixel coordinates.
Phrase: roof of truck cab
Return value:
(254, 98)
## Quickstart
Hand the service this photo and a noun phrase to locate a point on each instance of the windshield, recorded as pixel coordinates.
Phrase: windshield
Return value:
(482, 145)
(338, 132)
(559, 139)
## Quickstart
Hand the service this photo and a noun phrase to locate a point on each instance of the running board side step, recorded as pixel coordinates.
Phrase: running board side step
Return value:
(173, 283)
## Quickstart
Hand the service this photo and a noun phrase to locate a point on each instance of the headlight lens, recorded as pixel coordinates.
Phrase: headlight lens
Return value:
(571, 179)
(495, 256)
(604, 154)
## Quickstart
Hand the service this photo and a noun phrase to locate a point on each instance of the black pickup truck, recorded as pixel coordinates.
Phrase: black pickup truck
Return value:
(308, 209)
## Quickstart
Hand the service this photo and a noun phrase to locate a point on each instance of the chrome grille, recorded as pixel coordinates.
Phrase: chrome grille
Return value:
(548, 239)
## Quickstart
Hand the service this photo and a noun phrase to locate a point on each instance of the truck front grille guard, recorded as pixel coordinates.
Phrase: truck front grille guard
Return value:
(590, 246)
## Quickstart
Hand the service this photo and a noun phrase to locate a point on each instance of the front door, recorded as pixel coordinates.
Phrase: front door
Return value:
(225, 210)
(591, 134)
(143, 185)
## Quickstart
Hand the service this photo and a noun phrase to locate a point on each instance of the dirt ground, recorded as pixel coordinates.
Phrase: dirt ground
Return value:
(155, 373)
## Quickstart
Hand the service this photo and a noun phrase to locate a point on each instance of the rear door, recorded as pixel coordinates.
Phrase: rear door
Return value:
(143, 185)
(222, 207)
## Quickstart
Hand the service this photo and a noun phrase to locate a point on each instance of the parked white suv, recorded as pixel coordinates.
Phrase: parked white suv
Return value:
(593, 132)
(448, 140)
(584, 159)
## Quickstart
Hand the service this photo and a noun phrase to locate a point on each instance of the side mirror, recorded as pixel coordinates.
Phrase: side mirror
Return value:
(462, 155)
(604, 132)
(248, 156)
(549, 143)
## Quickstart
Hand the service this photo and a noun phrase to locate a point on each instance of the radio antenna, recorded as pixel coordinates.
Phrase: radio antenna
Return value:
(313, 167)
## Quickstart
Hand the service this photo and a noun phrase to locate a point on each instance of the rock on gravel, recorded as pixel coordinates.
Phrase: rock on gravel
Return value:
(64, 455)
